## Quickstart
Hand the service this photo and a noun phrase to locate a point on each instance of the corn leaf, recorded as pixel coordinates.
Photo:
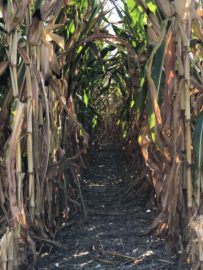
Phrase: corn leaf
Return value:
(157, 71)
(3, 67)
(198, 142)
(198, 153)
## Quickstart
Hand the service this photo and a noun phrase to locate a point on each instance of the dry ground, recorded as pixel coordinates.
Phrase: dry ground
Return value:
(115, 235)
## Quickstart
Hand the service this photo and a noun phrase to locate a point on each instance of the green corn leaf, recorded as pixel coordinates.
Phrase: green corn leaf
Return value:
(198, 153)
(141, 96)
(85, 98)
(120, 32)
(105, 51)
(157, 59)
(157, 72)
(198, 142)
(38, 4)
(72, 27)
(92, 20)
(140, 101)
(132, 103)
(151, 118)
(152, 6)
(120, 14)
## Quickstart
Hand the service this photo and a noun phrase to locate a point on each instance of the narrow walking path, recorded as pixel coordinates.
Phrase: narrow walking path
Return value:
(115, 235)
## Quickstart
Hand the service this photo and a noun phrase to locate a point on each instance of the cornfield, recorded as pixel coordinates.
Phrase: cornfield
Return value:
(62, 64)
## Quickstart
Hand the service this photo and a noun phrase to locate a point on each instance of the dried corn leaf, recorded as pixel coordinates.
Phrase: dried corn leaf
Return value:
(24, 55)
(199, 232)
(166, 7)
(170, 61)
(56, 38)
(51, 7)
(17, 19)
(13, 14)
(153, 36)
(13, 48)
(11, 155)
(35, 32)
(51, 26)
(197, 28)
(44, 61)
(155, 22)
(182, 8)
(22, 4)
(54, 65)
(3, 67)
(4, 248)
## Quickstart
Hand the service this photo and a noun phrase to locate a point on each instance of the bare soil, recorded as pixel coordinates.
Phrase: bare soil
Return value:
(115, 236)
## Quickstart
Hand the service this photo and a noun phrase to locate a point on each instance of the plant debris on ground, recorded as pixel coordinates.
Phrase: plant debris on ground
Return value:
(115, 235)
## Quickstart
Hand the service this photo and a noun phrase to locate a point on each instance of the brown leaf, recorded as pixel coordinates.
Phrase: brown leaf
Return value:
(44, 61)
(11, 157)
(3, 67)
(51, 7)
(170, 60)
(56, 38)
(54, 64)
(35, 32)
(24, 55)
(182, 8)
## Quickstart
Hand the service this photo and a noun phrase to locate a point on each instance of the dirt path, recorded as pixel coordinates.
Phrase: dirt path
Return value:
(114, 237)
